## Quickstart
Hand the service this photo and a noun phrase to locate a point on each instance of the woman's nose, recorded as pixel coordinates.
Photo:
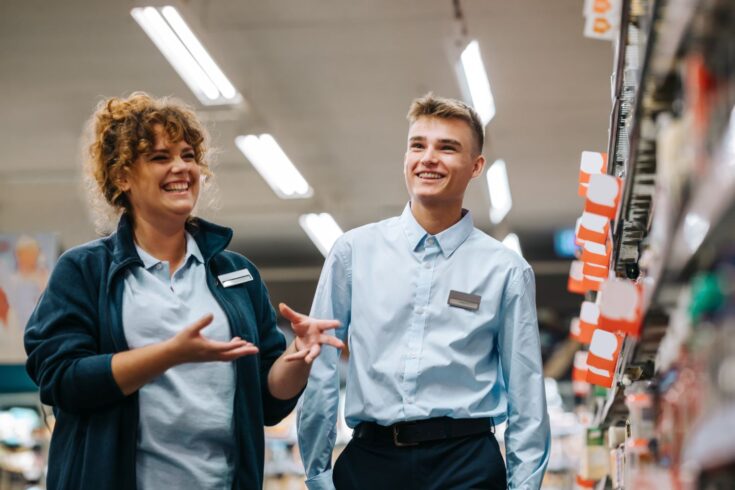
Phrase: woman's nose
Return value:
(180, 165)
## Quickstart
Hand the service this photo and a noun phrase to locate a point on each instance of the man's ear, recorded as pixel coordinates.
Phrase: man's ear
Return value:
(478, 165)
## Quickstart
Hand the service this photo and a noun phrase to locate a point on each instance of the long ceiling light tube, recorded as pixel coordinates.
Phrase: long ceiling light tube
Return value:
(499, 190)
(272, 163)
(476, 82)
(178, 44)
(512, 242)
(322, 229)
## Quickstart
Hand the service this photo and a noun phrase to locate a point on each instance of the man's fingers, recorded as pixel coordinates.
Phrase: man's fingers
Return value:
(289, 314)
(198, 325)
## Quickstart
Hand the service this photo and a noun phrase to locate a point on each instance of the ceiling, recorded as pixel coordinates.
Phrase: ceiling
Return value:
(332, 81)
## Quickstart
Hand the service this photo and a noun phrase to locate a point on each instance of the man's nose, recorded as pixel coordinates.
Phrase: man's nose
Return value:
(429, 156)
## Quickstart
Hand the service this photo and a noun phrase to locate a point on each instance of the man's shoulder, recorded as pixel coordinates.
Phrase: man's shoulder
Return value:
(482, 243)
(370, 230)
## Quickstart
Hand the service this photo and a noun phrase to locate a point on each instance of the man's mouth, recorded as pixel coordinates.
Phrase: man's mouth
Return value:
(176, 187)
(429, 175)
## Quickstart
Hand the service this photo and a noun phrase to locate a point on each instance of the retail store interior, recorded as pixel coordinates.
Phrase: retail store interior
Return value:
(610, 129)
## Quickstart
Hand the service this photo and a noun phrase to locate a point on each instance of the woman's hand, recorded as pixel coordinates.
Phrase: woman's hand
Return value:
(310, 334)
(190, 346)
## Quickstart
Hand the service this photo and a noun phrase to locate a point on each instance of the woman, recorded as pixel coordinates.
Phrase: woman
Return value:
(158, 348)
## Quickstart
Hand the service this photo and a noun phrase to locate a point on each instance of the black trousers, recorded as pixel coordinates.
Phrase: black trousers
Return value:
(467, 463)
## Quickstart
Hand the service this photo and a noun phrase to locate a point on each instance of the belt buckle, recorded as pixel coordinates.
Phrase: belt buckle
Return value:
(399, 443)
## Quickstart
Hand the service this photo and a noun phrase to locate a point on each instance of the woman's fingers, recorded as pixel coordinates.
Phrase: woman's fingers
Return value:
(297, 356)
(289, 314)
(245, 350)
(323, 325)
(313, 353)
(331, 340)
(198, 325)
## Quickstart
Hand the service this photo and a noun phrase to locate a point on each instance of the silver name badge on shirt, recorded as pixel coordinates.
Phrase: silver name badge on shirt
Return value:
(464, 300)
(235, 278)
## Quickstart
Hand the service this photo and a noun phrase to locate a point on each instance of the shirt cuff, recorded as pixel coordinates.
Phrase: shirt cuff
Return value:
(322, 481)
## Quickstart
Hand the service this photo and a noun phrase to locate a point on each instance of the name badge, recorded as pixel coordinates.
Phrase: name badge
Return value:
(464, 300)
(235, 278)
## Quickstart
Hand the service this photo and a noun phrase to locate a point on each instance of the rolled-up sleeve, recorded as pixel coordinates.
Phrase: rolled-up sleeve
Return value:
(317, 411)
(62, 343)
(527, 437)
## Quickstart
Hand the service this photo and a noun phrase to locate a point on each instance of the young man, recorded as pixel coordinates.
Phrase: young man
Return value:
(443, 336)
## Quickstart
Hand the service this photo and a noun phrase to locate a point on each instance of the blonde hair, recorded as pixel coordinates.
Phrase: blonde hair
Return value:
(432, 106)
(122, 129)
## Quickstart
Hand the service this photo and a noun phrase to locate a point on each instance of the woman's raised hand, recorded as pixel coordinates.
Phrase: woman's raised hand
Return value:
(310, 334)
(190, 345)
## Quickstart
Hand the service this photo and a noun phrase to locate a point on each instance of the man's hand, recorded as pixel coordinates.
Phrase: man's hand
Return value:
(310, 334)
(190, 346)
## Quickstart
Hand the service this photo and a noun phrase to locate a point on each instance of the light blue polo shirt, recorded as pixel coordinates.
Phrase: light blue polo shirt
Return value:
(186, 431)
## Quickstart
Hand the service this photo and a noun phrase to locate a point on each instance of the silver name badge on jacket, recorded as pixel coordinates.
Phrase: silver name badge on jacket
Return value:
(235, 278)
(464, 300)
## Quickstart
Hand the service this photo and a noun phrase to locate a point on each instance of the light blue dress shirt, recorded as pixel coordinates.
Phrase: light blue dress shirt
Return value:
(186, 431)
(414, 357)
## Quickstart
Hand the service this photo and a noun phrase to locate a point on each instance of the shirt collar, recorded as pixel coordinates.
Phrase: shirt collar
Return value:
(448, 240)
(192, 250)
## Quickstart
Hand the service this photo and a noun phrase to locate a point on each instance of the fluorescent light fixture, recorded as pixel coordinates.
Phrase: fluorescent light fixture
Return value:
(511, 241)
(176, 41)
(322, 229)
(274, 166)
(476, 85)
(497, 185)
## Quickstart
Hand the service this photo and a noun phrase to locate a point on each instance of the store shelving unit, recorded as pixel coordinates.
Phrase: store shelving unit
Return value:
(668, 230)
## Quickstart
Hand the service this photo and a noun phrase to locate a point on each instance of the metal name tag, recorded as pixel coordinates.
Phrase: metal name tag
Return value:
(235, 278)
(464, 300)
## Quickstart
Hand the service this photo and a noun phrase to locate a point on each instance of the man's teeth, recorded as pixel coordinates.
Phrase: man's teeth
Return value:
(429, 175)
(177, 186)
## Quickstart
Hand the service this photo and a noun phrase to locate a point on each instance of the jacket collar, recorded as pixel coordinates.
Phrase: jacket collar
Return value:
(210, 238)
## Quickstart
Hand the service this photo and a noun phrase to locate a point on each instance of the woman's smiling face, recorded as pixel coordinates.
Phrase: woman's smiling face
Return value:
(163, 184)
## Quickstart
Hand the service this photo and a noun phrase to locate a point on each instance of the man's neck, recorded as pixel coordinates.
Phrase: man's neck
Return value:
(436, 218)
(166, 243)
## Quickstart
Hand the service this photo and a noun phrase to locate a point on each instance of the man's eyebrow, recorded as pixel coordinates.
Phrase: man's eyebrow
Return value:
(449, 141)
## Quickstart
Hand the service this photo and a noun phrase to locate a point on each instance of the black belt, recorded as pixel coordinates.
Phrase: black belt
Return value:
(416, 432)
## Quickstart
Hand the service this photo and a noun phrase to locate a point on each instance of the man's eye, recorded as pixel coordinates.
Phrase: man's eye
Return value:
(449, 148)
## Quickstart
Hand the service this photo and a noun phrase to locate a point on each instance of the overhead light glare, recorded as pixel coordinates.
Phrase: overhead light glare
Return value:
(274, 166)
(499, 189)
(321, 229)
(512, 242)
(475, 81)
(178, 44)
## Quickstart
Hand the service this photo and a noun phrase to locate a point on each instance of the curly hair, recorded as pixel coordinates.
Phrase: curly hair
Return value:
(122, 129)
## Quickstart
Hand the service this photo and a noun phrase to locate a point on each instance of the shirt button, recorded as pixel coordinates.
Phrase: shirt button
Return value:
(427, 265)
(419, 311)
(159, 267)
(430, 241)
